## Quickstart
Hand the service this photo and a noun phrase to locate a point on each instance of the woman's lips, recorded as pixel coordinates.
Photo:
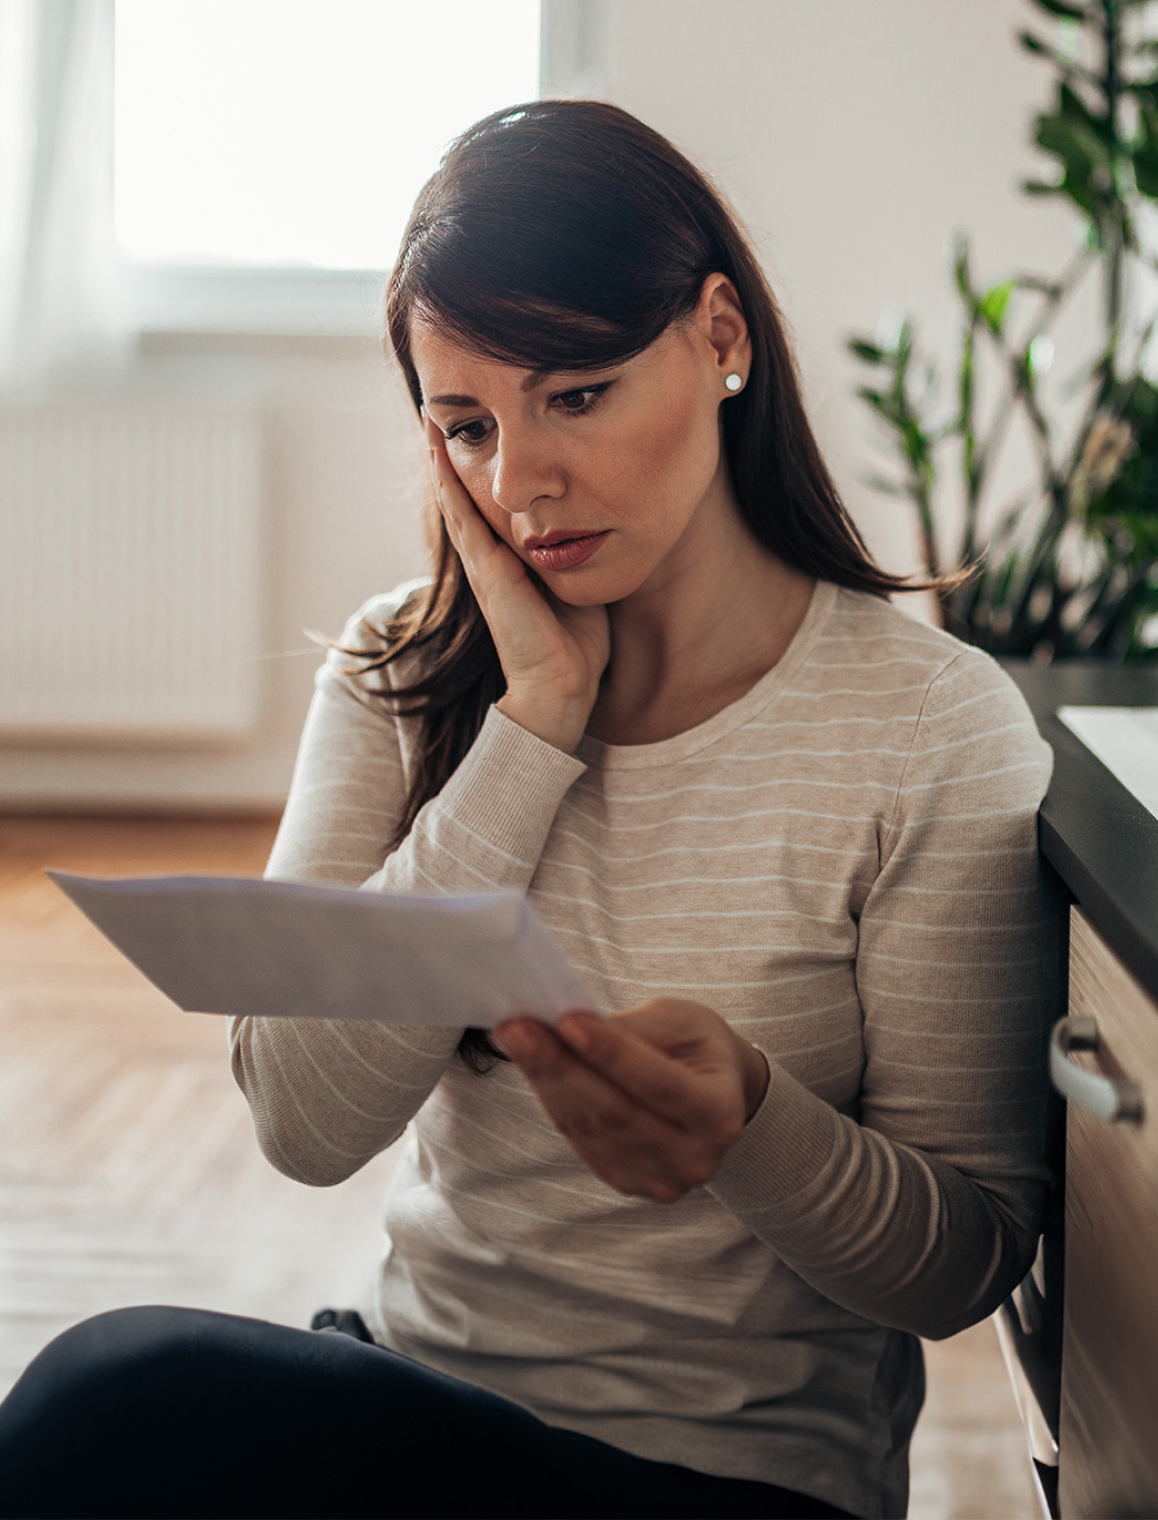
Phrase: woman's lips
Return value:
(566, 553)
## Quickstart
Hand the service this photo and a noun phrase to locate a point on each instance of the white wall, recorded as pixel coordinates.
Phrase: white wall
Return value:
(853, 136)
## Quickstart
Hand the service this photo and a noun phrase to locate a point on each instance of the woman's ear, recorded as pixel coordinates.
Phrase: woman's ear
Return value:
(720, 318)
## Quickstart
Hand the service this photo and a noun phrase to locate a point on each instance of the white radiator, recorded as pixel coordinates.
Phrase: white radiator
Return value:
(130, 573)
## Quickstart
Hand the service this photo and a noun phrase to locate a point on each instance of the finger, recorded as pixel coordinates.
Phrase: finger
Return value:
(489, 564)
(705, 1044)
(454, 501)
(687, 1098)
(673, 1024)
(623, 1143)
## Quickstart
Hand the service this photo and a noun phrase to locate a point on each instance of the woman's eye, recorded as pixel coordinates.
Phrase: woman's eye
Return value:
(470, 432)
(578, 401)
(573, 402)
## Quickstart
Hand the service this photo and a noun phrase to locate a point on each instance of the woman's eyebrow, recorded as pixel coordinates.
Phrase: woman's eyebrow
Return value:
(536, 378)
(453, 401)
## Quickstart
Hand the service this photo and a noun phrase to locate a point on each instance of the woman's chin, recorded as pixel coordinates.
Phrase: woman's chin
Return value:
(591, 590)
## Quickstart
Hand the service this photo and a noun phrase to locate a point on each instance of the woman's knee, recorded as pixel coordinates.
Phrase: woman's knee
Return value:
(135, 1336)
(122, 1355)
(76, 1416)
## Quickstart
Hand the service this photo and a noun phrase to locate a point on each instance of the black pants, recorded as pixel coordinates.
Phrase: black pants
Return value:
(167, 1412)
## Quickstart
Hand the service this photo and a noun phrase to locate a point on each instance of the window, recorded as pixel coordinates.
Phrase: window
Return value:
(262, 145)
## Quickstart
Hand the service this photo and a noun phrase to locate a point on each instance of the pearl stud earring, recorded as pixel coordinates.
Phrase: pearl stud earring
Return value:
(733, 382)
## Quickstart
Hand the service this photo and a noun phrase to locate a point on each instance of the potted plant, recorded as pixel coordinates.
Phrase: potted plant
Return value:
(1071, 567)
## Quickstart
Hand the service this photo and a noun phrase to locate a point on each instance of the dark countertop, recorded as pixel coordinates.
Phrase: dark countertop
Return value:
(1098, 837)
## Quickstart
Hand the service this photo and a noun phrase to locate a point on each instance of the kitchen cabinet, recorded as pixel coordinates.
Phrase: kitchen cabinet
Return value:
(1103, 845)
(1108, 1439)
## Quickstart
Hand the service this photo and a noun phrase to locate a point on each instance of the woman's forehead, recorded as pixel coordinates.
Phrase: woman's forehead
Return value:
(453, 374)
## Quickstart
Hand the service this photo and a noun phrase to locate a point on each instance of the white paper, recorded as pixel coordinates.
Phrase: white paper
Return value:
(1125, 740)
(282, 949)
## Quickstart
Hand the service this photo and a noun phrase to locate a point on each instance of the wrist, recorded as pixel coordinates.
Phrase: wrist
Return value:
(757, 1076)
(561, 727)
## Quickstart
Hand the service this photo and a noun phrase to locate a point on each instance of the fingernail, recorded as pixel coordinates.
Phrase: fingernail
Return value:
(515, 1039)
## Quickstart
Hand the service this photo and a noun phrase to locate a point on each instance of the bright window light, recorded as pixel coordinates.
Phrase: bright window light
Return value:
(298, 132)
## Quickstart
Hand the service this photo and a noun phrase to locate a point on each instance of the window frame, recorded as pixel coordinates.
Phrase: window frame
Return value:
(278, 300)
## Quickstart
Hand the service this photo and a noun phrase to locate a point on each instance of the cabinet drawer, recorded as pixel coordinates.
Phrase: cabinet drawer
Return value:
(1109, 1405)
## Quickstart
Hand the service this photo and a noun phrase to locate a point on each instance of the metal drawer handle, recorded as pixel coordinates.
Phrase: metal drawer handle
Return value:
(1104, 1097)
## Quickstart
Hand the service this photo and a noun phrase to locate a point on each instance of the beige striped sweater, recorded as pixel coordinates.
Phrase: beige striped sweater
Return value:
(844, 864)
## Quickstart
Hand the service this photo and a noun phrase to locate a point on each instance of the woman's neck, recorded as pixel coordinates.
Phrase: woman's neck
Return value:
(706, 627)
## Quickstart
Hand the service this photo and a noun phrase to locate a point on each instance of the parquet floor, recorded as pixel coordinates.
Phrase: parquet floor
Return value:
(129, 1174)
(128, 1170)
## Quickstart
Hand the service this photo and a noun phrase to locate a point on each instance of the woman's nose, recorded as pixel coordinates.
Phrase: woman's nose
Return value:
(524, 471)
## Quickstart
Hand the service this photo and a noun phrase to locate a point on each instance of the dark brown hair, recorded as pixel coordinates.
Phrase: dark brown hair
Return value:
(566, 235)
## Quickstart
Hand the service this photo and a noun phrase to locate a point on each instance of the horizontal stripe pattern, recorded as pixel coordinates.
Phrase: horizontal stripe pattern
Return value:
(844, 865)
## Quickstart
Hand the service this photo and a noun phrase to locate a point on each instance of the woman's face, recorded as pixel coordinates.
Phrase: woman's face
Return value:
(601, 481)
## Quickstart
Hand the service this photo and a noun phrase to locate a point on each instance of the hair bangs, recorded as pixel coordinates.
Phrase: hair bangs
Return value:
(551, 301)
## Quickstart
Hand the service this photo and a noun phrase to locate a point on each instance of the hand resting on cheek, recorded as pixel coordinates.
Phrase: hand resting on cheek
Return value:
(650, 1099)
(552, 655)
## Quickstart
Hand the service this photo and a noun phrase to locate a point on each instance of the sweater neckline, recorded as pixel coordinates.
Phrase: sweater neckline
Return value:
(594, 752)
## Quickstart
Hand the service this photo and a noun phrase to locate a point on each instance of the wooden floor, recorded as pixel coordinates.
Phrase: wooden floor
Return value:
(129, 1174)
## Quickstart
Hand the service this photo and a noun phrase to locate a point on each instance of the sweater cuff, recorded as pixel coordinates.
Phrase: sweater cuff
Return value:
(509, 786)
(782, 1152)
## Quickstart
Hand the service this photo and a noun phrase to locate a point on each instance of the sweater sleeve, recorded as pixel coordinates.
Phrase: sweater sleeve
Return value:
(326, 1095)
(922, 1211)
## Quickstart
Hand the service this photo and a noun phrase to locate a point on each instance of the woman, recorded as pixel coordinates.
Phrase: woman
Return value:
(674, 1261)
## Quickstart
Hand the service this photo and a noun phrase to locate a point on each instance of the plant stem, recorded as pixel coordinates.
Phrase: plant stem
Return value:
(1056, 296)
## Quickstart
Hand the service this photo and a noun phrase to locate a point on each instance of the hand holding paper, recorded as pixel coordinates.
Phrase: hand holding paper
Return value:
(242, 946)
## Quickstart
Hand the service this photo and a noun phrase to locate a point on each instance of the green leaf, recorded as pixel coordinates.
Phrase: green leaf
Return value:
(1033, 44)
(965, 404)
(880, 403)
(1078, 187)
(869, 352)
(961, 269)
(1086, 148)
(916, 443)
(1074, 107)
(1080, 149)
(902, 353)
(1145, 154)
(1069, 67)
(1078, 136)
(1064, 8)
(994, 305)
(1143, 533)
(1146, 96)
